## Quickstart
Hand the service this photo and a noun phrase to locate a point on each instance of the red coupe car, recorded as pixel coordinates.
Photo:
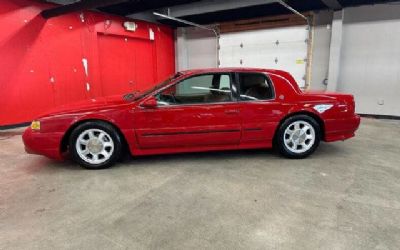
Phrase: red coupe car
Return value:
(196, 110)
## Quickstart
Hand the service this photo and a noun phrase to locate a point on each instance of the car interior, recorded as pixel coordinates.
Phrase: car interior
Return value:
(212, 88)
(255, 87)
(216, 88)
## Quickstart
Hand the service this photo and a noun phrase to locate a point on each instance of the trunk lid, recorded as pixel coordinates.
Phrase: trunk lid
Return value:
(345, 101)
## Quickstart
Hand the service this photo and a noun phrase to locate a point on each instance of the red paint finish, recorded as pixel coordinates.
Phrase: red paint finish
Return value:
(187, 128)
(41, 60)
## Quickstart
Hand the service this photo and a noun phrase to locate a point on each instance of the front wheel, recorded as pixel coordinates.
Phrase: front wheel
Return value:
(298, 136)
(95, 145)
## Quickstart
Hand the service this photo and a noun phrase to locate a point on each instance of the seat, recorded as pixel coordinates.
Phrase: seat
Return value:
(260, 92)
(222, 95)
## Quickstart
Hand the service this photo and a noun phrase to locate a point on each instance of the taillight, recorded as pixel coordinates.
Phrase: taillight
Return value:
(352, 105)
(347, 106)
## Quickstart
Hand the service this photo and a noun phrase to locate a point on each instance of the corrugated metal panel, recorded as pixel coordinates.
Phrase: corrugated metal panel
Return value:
(46, 63)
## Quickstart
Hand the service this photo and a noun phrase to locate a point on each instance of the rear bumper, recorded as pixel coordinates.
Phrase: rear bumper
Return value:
(341, 129)
(47, 144)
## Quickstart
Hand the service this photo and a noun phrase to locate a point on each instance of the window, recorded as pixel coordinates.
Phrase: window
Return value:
(255, 87)
(211, 88)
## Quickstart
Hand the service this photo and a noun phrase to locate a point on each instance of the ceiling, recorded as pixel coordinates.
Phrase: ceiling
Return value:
(250, 12)
(135, 6)
(128, 7)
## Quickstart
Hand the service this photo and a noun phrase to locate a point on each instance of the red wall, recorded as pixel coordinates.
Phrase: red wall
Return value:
(41, 60)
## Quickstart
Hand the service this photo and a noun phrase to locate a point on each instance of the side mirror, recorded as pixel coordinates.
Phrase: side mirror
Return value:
(149, 103)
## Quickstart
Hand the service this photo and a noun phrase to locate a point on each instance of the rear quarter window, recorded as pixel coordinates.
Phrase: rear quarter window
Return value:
(255, 86)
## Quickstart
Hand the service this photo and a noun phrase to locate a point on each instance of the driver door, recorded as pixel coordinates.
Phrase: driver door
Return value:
(196, 112)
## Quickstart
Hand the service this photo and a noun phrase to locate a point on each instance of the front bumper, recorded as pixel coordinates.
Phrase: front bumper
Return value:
(341, 129)
(47, 144)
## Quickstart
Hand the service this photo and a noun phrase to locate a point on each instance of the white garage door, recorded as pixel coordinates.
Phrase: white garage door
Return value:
(280, 48)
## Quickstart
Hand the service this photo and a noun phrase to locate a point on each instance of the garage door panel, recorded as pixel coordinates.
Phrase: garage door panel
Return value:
(232, 55)
(260, 56)
(283, 48)
(292, 58)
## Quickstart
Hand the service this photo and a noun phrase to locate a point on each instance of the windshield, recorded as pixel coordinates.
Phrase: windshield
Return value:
(135, 95)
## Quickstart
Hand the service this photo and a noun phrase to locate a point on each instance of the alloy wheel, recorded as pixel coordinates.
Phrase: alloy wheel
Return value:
(299, 137)
(94, 146)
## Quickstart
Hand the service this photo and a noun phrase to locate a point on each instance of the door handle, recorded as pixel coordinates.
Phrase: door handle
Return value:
(232, 111)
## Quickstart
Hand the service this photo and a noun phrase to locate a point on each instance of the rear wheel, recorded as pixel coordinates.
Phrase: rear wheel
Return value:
(298, 136)
(95, 145)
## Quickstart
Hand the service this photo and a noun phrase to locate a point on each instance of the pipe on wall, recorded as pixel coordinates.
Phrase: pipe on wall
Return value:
(213, 29)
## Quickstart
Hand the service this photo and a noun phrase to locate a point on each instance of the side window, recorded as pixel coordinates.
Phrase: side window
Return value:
(198, 85)
(210, 88)
(225, 82)
(255, 87)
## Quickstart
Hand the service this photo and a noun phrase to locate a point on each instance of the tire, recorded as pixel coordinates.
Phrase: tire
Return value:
(298, 137)
(95, 145)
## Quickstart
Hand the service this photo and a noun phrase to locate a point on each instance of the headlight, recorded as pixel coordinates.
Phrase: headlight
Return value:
(35, 125)
(321, 108)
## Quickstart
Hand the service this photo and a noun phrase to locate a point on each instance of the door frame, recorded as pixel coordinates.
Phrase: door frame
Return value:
(223, 108)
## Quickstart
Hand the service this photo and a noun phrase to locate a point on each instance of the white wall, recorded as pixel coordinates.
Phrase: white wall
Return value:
(335, 50)
(320, 51)
(370, 58)
(195, 48)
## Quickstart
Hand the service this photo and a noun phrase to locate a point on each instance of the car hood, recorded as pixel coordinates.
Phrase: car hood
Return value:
(91, 105)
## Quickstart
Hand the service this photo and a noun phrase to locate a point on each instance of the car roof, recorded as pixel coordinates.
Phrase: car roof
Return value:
(231, 69)
(280, 73)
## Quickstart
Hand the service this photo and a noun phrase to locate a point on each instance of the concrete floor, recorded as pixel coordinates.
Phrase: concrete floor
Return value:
(346, 196)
